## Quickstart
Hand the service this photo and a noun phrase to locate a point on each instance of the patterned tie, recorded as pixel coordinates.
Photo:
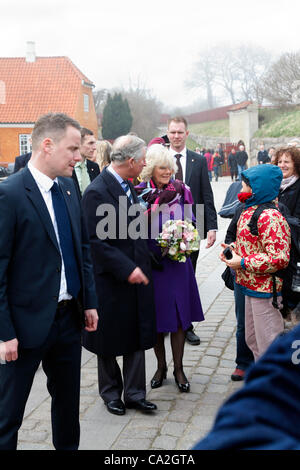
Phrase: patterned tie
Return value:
(127, 190)
(179, 174)
(66, 240)
(85, 179)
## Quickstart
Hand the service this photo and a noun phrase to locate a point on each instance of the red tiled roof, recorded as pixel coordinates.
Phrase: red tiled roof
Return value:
(35, 88)
(242, 105)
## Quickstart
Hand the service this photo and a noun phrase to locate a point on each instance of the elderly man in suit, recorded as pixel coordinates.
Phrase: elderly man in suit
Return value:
(47, 291)
(86, 170)
(123, 281)
(192, 169)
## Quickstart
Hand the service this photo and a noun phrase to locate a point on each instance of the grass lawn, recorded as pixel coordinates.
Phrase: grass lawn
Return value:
(212, 128)
(284, 123)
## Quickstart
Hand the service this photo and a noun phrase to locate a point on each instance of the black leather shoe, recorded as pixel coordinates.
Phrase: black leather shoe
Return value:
(183, 387)
(116, 407)
(191, 338)
(158, 378)
(142, 405)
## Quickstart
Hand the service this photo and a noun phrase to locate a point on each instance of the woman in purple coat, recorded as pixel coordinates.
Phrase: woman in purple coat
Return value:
(176, 293)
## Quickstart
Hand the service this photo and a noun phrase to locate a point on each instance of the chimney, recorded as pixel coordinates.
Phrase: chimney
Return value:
(30, 51)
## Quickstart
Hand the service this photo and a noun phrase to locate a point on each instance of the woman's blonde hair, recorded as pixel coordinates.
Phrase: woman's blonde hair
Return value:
(157, 155)
(103, 149)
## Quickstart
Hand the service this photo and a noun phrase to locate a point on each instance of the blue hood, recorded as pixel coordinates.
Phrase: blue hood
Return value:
(265, 182)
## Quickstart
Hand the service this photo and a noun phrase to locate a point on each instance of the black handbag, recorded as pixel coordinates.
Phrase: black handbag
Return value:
(228, 278)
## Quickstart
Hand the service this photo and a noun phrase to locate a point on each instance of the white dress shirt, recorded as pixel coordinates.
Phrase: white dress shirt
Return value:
(182, 159)
(45, 184)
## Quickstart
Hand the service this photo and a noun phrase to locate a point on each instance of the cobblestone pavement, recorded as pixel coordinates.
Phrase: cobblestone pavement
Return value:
(182, 418)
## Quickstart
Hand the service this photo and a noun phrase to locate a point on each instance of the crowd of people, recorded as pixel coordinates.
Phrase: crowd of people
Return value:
(71, 274)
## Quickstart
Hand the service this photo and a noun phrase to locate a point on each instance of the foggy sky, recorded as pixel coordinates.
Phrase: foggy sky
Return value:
(156, 43)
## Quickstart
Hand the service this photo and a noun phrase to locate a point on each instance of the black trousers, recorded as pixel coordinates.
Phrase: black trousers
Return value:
(61, 357)
(133, 383)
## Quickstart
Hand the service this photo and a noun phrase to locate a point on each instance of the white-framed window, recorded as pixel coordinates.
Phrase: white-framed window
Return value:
(86, 103)
(25, 143)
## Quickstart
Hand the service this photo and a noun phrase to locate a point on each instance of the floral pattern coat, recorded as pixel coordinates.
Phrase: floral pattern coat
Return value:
(263, 254)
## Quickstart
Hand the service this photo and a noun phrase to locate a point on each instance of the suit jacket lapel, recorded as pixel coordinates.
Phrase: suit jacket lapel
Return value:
(37, 200)
(90, 169)
(115, 189)
(189, 167)
(69, 194)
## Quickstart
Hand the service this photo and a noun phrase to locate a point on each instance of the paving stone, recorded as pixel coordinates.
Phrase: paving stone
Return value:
(209, 361)
(165, 442)
(181, 415)
(202, 379)
(173, 429)
(32, 435)
(226, 363)
(139, 432)
(204, 370)
(217, 388)
(132, 444)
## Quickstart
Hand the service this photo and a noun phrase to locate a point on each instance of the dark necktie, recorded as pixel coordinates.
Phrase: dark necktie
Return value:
(179, 174)
(127, 190)
(66, 240)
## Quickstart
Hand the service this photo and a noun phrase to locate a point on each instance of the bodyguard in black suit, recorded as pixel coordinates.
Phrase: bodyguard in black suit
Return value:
(86, 170)
(192, 169)
(123, 281)
(45, 277)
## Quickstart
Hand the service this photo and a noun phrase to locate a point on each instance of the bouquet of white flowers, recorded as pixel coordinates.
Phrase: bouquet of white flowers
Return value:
(178, 239)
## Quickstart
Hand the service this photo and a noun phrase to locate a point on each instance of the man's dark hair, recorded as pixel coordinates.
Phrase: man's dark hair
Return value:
(53, 125)
(84, 132)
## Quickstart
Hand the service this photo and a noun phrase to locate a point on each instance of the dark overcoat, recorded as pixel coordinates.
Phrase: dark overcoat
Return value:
(126, 311)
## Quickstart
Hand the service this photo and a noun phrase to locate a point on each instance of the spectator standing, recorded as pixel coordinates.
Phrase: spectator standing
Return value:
(103, 149)
(241, 159)
(271, 155)
(263, 156)
(210, 163)
(217, 162)
(86, 170)
(232, 163)
(255, 258)
(288, 160)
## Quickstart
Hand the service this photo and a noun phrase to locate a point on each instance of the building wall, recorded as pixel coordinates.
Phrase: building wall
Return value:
(9, 142)
(87, 119)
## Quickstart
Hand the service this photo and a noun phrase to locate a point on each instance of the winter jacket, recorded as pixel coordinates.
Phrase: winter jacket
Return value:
(268, 252)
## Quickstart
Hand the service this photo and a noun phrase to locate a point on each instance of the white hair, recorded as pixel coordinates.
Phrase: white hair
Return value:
(158, 155)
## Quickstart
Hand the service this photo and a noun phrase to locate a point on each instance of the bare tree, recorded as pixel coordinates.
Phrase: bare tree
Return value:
(145, 110)
(237, 71)
(281, 83)
(100, 97)
(252, 63)
(203, 76)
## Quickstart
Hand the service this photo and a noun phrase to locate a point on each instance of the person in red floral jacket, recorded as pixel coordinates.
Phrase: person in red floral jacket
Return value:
(255, 258)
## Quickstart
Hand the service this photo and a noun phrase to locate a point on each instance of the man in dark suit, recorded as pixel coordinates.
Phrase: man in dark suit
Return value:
(86, 170)
(45, 277)
(123, 280)
(192, 169)
(21, 161)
